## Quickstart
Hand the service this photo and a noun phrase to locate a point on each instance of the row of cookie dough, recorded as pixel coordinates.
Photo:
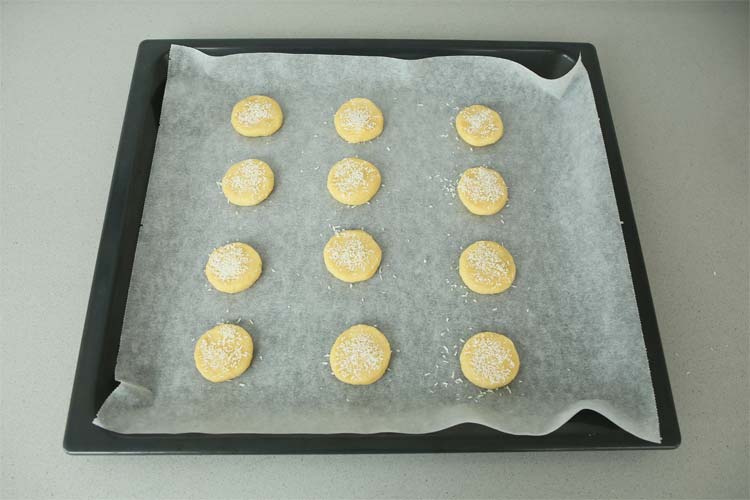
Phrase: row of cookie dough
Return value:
(353, 255)
(359, 356)
(351, 181)
(354, 181)
(360, 120)
(357, 120)
(486, 267)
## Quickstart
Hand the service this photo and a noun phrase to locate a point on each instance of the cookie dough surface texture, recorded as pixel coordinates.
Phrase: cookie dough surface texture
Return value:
(487, 267)
(223, 353)
(482, 191)
(358, 120)
(257, 116)
(352, 256)
(479, 125)
(248, 182)
(233, 268)
(353, 181)
(489, 360)
(360, 355)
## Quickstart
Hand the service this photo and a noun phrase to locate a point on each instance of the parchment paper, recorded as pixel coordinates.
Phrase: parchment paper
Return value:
(571, 312)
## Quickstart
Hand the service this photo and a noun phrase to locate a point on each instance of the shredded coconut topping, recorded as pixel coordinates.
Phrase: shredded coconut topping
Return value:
(249, 178)
(357, 119)
(481, 184)
(229, 262)
(350, 175)
(480, 122)
(491, 360)
(254, 112)
(360, 355)
(489, 267)
(350, 253)
(225, 353)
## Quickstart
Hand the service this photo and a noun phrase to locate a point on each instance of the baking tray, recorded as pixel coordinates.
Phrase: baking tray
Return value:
(94, 378)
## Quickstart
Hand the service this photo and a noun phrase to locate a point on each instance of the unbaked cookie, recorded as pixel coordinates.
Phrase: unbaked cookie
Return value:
(248, 182)
(487, 267)
(489, 360)
(224, 352)
(234, 267)
(360, 355)
(257, 116)
(352, 256)
(479, 125)
(353, 181)
(358, 120)
(482, 191)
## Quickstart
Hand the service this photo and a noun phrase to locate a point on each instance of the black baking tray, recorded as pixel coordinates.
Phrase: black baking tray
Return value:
(94, 378)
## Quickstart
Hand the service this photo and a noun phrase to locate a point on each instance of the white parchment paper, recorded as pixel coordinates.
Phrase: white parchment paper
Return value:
(571, 312)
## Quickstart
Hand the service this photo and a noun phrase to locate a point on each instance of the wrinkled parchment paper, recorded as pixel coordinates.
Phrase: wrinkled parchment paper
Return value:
(571, 312)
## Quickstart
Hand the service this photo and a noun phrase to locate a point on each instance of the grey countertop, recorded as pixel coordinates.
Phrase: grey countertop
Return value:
(677, 78)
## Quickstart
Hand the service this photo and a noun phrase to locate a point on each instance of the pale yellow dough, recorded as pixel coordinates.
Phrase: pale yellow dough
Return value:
(487, 267)
(352, 256)
(248, 182)
(353, 181)
(223, 353)
(479, 125)
(489, 360)
(233, 268)
(257, 116)
(358, 120)
(482, 191)
(360, 355)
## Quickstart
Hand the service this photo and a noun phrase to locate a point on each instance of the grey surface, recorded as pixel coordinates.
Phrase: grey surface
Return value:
(560, 189)
(677, 79)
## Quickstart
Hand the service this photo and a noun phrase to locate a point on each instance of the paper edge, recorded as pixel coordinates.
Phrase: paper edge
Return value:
(558, 85)
(563, 416)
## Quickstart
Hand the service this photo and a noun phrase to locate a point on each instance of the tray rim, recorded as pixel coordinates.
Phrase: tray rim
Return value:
(83, 437)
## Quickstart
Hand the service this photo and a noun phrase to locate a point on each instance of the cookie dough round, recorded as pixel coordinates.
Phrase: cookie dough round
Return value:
(479, 125)
(360, 355)
(353, 181)
(234, 267)
(248, 182)
(489, 360)
(358, 120)
(352, 256)
(487, 267)
(482, 191)
(257, 116)
(223, 353)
